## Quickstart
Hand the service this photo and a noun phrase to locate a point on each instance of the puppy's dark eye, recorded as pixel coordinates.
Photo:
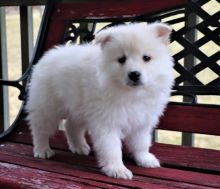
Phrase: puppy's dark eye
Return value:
(146, 58)
(122, 59)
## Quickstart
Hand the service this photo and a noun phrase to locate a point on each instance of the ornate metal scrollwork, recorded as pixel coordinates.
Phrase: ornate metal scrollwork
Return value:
(187, 80)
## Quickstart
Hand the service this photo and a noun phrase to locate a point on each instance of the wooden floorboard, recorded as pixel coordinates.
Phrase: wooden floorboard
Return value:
(83, 169)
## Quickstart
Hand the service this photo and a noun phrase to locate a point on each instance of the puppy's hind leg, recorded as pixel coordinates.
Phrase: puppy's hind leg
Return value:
(75, 134)
(42, 128)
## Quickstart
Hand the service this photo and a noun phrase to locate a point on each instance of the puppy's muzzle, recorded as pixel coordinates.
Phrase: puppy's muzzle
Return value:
(134, 78)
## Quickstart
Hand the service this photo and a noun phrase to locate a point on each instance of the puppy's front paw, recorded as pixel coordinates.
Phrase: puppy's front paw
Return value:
(81, 149)
(147, 160)
(44, 154)
(117, 172)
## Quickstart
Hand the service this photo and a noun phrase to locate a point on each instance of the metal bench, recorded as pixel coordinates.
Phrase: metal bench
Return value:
(182, 166)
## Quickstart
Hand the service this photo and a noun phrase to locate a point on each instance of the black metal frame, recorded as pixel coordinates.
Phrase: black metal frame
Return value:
(196, 87)
(38, 51)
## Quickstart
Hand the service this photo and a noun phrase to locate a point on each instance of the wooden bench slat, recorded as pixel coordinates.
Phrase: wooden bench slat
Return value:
(25, 177)
(204, 160)
(67, 163)
(192, 119)
(51, 40)
(181, 176)
(113, 9)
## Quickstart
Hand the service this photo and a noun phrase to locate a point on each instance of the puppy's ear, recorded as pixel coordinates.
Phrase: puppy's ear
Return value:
(162, 31)
(103, 38)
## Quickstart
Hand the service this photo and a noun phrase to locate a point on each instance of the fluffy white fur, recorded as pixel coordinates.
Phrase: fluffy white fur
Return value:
(86, 85)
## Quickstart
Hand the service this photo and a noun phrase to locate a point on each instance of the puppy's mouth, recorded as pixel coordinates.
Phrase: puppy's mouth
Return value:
(134, 84)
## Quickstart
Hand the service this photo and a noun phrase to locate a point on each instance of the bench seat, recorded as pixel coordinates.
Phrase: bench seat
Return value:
(182, 167)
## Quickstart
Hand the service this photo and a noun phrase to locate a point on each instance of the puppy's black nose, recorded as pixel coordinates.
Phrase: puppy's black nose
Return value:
(134, 76)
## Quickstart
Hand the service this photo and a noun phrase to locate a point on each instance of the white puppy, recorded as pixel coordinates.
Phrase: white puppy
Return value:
(116, 89)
